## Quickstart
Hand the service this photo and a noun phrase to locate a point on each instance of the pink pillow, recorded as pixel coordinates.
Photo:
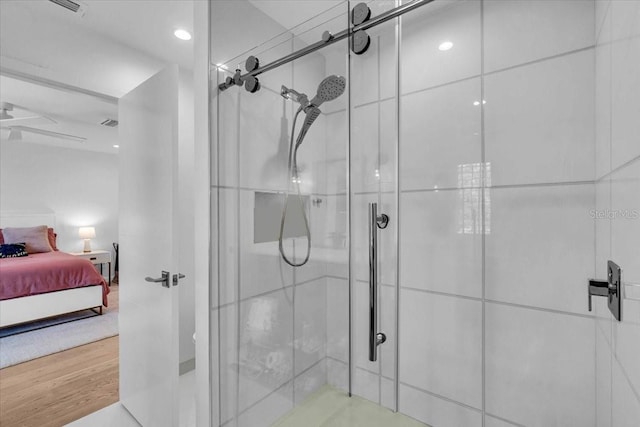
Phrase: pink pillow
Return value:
(53, 237)
(36, 238)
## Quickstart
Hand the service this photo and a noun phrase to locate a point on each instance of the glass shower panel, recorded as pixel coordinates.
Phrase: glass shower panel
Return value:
(283, 331)
(374, 160)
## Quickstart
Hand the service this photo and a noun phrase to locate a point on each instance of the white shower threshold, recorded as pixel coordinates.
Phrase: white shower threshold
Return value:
(329, 407)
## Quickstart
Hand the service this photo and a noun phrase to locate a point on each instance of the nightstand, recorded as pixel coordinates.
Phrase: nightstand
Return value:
(97, 258)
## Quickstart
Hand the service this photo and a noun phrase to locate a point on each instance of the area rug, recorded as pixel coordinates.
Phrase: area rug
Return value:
(30, 345)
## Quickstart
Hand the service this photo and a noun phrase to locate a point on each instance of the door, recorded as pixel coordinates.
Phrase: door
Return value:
(149, 358)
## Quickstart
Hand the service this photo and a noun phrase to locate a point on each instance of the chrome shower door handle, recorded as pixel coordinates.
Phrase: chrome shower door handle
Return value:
(375, 338)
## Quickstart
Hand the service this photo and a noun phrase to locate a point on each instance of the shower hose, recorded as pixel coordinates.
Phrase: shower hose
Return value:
(293, 177)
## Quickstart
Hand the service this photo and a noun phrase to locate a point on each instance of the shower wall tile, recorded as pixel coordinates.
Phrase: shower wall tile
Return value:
(366, 385)
(441, 345)
(540, 248)
(517, 31)
(387, 393)
(376, 69)
(264, 129)
(539, 123)
(539, 366)
(434, 411)
(373, 147)
(625, 106)
(227, 321)
(422, 64)
(440, 134)
(603, 379)
(265, 347)
(310, 381)
(310, 324)
(601, 11)
(338, 319)
(603, 99)
(338, 374)
(625, 402)
(625, 235)
(336, 150)
(226, 157)
(441, 241)
(387, 325)
(227, 232)
(261, 268)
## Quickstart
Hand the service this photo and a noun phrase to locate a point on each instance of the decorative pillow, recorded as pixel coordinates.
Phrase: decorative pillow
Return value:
(13, 250)
(1, 237)
(52, 238)
(36, 238)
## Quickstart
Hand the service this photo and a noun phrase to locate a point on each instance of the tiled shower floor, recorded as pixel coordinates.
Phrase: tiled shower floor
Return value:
(329, 407)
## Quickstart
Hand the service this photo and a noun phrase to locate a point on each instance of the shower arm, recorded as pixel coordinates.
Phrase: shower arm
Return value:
(377, 20)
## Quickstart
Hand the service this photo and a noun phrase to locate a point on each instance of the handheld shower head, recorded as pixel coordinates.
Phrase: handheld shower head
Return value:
(329, 89)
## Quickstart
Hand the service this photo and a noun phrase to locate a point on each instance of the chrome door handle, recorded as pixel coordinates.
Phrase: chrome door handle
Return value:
(375, 338)
(164, 280)
(176, 277)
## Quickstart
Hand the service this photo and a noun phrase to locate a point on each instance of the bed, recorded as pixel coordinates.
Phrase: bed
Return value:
(48, 284)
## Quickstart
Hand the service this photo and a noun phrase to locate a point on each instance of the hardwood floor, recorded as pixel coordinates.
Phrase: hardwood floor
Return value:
(62, 387)
(54, 390)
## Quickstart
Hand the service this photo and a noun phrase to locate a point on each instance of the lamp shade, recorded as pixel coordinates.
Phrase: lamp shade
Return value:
(87, 232)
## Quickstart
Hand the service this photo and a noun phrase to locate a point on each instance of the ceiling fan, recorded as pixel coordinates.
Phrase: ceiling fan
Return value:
(26, 123)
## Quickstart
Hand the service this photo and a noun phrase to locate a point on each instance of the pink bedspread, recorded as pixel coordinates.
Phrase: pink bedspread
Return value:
(47, 272)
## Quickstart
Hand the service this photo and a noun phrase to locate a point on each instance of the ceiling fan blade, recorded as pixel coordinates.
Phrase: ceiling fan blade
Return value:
(28, 121)
(48, 133)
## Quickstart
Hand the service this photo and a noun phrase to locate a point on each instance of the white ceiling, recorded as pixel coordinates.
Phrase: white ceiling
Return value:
(112, 48)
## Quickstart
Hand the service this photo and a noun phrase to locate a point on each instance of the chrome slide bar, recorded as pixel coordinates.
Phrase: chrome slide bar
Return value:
(376, 20)
(375, 338)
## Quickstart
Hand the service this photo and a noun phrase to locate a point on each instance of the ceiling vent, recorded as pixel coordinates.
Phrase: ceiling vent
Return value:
(70, 5)
(110, 123)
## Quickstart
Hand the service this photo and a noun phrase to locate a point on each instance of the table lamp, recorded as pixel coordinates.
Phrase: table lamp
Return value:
(87, 233)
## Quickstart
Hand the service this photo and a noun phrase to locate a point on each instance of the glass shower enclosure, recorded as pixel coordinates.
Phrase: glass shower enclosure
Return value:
(470, 126)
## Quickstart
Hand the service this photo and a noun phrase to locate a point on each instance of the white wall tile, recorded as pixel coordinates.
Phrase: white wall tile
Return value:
(311, 381)
(603, 99)
(266, 339)
(373, 147)
(436, 253)
(360, 328)
(422, 64)
(310, 324)
(625, 55)
(336, 146)
(517, 31)
(366, 385)
(388, 393)
(373, 74)
(626, 405)
(626, 342)
(539, 367)
(540, 251)
(338, 318)
(603, 380)
(441, 345)
(601, 15)
(440, 131)
(435, 411)
(228, 362)
(337, 374)
(539, 123)
(625, 223)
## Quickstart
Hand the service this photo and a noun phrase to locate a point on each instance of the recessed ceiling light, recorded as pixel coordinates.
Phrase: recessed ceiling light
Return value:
(116, 146)
(182, 34)
(445, 46)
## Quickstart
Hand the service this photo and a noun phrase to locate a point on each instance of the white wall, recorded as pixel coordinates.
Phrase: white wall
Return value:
(79, 186)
